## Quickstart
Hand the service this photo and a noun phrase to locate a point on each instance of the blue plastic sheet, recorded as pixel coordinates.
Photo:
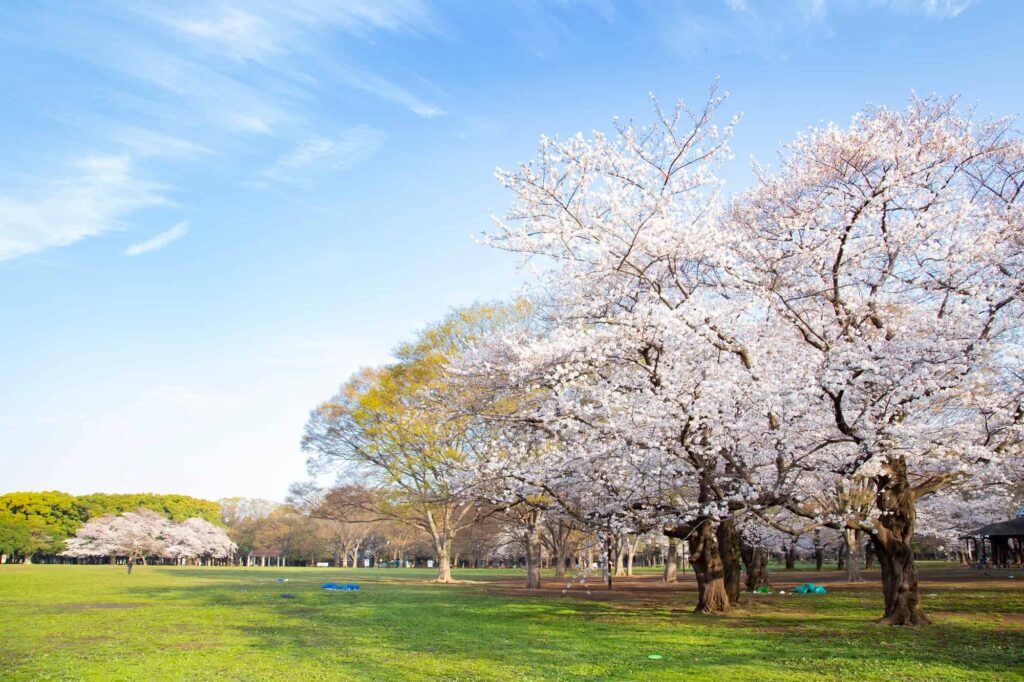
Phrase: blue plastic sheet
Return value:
(336, 586)
(810, 588)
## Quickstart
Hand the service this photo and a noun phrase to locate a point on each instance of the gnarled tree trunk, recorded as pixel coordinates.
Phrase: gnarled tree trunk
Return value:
(712, 597)
(729, 550)
(894, 532)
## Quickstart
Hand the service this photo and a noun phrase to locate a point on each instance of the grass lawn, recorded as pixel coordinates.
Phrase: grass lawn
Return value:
(97, 623)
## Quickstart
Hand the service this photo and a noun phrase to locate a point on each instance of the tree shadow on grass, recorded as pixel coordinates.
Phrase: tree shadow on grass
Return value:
(410, 631)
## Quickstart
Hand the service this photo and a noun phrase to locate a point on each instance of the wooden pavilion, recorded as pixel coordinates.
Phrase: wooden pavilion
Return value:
(1000, 544)
(263, 557)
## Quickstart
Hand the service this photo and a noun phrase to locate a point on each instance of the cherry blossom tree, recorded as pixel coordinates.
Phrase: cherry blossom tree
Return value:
(135, 535)
(665, 385)
(840, 342)
(196, 539)
(144, 533)
(894, 249)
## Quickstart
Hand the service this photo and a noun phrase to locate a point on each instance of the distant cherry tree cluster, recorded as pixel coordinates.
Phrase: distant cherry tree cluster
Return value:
(142, 534)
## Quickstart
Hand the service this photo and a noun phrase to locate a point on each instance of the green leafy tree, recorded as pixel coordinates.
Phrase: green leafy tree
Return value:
(24, 537)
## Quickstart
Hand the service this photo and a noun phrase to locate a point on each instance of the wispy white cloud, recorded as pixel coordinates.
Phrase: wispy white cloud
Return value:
(266, 28)
(231, 101)
(943, 9)
(240, 34)
(320, 155)
(140, 141)
(815, 11)
(159, 241)
(45, 214)
(379, 87)
(767, 26)
(603, 8)
(284, 38)
(149, 143)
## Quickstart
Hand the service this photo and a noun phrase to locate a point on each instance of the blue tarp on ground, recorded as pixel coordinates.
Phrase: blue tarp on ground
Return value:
(336, 586)
(810, 588)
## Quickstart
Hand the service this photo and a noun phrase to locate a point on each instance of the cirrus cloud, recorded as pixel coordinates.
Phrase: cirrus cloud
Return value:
(104, 191)
(159, 241)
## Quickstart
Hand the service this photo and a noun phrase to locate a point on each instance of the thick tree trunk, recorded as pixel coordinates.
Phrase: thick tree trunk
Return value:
(791, 556)
(712, 597)
(444, 563)
(853, 544)
(869, 555)
(894, 533)
(671, 561)
(620, 555)
(533, 556)
(755, 561)
(841, 558)
(819, 553)
(729, 550)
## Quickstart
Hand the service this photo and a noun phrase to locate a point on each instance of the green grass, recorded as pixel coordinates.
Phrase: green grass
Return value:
(97, 623)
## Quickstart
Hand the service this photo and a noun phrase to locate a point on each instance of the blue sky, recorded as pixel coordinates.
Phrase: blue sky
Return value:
(212, 213)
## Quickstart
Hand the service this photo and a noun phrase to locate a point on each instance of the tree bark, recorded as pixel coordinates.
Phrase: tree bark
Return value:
(755, 561)
(561, 552)
(729, 550)
(894, 533)
(791, 556)
(631, 553)
(533, 556)
(444, 563)
(819, 553)
(671, 561)
(608, 559)
(620, 555)
(712, 597)
(853, 544)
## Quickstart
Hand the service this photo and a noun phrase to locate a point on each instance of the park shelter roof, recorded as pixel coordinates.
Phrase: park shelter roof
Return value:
(1011, 528)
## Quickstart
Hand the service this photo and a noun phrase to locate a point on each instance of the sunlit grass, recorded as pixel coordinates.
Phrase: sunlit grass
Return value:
(96, 622)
